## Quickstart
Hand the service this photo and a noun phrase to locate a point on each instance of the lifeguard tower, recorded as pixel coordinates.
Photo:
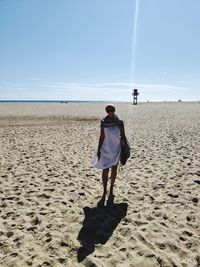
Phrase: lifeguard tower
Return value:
(135, 95)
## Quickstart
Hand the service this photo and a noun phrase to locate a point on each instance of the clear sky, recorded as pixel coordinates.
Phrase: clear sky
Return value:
(100, 49)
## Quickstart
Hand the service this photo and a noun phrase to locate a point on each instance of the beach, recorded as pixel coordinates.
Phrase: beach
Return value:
(49, 190)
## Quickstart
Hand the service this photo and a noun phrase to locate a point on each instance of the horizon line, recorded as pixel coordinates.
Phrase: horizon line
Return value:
(66, 100)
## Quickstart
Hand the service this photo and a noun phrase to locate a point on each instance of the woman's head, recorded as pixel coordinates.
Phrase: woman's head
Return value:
(110, 110)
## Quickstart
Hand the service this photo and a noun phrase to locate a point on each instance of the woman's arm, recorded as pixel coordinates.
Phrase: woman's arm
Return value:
(123, 136)
(101, 139)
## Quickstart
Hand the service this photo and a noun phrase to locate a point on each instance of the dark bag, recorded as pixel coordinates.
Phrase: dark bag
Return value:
(125, 152)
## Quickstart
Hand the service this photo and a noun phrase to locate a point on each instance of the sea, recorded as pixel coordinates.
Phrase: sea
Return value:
(56, 101)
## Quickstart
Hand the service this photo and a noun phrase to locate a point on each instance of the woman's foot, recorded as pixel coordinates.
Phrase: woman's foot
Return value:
(110, 200)
(101, 201)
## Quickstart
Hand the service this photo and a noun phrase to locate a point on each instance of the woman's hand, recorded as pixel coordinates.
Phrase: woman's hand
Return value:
(98, 154)
(124, 142)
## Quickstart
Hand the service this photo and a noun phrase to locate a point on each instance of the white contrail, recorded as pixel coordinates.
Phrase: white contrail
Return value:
(134, 42)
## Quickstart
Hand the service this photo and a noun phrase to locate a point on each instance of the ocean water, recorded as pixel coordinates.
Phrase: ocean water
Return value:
(56, 101)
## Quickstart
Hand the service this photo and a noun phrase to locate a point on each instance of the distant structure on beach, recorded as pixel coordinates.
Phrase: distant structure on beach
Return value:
(135, 95)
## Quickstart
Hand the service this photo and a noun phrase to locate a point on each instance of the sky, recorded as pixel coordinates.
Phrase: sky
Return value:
(99, 50)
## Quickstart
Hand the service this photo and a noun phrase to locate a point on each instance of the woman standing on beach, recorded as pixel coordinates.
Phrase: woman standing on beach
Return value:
(112, 136)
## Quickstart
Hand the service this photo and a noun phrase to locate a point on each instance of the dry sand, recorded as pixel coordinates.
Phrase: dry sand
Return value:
(49, 191)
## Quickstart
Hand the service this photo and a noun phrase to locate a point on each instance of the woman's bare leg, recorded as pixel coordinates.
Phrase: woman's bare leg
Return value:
(113, 177)
(105, 180)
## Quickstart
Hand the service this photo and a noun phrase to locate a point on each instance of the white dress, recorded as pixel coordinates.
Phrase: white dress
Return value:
(110, 149)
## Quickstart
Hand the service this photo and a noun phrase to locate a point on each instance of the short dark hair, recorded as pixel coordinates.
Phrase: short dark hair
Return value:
(110, 107)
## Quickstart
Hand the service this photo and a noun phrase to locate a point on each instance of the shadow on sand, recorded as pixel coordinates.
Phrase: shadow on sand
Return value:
(99, 224)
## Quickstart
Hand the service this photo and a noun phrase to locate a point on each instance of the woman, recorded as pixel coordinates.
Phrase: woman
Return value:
(112, 136)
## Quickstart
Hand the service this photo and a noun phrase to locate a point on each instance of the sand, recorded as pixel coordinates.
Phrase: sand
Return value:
(49, 192)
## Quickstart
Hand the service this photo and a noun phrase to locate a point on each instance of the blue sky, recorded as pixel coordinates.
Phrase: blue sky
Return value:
(100, 49)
